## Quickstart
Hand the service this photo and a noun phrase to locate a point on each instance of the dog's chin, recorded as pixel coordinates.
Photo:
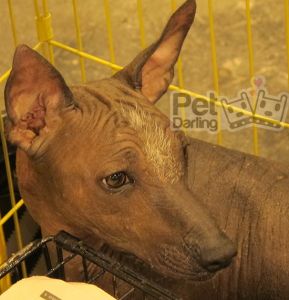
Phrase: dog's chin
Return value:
(201, 276)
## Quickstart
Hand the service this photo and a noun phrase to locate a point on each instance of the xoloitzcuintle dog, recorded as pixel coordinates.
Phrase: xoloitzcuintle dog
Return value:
(100, 161)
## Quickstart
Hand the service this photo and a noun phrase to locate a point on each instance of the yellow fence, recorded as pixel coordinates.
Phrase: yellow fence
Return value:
(47, 44)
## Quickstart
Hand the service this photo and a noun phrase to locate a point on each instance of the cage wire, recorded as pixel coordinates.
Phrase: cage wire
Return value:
(124, 280)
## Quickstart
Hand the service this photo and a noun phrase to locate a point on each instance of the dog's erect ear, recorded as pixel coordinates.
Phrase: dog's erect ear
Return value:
(35, 93)
(152, 70)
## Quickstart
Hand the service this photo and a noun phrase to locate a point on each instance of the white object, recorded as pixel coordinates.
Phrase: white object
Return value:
(44, 288)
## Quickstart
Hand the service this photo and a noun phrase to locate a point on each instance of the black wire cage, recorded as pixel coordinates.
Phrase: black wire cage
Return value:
(136, 283)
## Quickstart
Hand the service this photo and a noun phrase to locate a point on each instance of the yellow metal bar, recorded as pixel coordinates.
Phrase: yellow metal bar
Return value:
(215, 66)
(141, 24)
(85, 55)
(180, 75)
(36, 8)
(45, 6)
(37, 17)
(5, 76)
(286, 4)
(109, 30)
(251, 70)
(5, 282)
(11, 192)
(44, 29)
(12, 20)
(79, 40)
(250, 39)
(214, 48)
(11, 212)
(50, 47)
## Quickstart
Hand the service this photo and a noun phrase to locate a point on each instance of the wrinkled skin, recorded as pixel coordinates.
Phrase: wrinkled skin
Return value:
(183, 206)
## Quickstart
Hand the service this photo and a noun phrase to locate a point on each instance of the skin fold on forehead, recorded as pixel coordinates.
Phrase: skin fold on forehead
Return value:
(159, 145)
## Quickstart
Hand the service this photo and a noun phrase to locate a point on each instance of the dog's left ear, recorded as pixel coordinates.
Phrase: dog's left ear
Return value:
(35, 97)
(152, 71)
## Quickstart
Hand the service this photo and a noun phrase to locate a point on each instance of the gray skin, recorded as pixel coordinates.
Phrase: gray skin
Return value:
(184, 206)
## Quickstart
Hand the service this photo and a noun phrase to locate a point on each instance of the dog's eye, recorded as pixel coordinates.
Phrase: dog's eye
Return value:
(117, 180)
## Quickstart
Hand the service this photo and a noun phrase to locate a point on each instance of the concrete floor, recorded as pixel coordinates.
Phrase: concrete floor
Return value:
(230, 24)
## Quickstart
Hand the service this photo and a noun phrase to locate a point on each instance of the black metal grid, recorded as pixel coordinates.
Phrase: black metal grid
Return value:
(74, 247)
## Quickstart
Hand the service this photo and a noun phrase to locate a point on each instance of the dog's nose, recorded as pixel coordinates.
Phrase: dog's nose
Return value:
(219, 255)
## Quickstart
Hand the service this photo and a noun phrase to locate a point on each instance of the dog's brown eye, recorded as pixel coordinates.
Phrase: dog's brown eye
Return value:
(116, 180)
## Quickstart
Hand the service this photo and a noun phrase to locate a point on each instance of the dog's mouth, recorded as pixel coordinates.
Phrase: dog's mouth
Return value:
(171, 262)
(181, 264)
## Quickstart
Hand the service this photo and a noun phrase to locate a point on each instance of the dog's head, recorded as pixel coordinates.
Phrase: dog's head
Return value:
(102, 160)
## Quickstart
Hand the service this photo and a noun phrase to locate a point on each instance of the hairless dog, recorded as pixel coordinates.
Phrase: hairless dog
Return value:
(100, 161)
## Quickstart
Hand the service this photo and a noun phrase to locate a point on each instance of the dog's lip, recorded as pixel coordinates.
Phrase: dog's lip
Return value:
(182, 266)
(172, 272)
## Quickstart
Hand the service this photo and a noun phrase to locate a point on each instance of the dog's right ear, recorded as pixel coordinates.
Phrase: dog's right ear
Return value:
(152, 71)
(35, 94)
